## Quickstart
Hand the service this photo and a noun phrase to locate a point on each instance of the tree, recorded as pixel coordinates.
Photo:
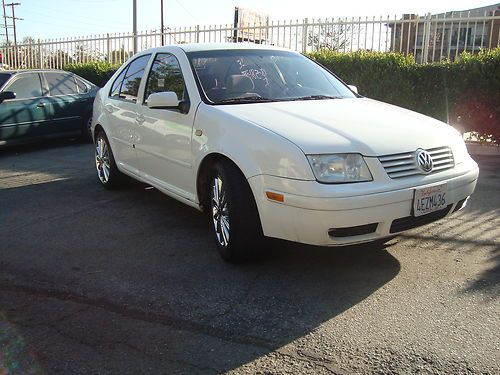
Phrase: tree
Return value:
(333, 36)
(119, 55)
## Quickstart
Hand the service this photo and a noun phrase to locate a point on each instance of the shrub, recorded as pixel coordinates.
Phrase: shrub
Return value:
(465, 93)
(97, 72)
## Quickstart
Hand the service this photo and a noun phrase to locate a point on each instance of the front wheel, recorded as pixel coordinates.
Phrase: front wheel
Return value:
(234, 214)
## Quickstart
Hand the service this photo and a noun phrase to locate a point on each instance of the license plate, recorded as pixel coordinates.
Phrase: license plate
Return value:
(429, 199)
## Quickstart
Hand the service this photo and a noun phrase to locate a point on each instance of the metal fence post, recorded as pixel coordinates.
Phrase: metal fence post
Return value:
(426, 38)
(108, 46)
(40, 55)
(197, 33)
(304, 36)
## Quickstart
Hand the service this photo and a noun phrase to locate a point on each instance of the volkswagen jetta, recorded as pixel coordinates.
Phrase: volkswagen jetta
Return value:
(270, 143)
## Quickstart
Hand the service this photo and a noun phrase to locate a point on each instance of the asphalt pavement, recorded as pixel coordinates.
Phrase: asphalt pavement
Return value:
(125, 282)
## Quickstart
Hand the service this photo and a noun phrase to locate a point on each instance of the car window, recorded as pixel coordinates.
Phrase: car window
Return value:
(4, 77)
(234, 76)
(27, 85)
(61, 84)
(81, 86)
(165, 75)
(117, 84)
(130, 87)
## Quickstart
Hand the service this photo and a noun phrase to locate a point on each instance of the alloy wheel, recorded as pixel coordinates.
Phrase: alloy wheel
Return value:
(220, 213)
(102, 160)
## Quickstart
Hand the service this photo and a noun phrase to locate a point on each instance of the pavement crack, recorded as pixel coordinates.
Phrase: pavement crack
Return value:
(141, 315)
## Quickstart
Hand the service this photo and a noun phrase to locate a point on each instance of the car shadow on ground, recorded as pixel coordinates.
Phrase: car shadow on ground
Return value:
(139, 257)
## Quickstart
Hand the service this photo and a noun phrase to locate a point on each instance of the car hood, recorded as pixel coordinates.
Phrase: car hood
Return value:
(360, 125)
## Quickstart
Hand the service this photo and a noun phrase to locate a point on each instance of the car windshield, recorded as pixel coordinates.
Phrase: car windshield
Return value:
(4, 77)
(253, 75)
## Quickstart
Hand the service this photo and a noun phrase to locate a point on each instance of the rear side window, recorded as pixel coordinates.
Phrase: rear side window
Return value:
(117, 84)
(165, 75)
(82, 87)
(61, 84)
(27, 85)
(129, 87)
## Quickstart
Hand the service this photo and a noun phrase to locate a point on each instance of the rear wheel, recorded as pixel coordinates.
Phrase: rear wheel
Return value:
(234, 215)
(107, 172)
(86, 128)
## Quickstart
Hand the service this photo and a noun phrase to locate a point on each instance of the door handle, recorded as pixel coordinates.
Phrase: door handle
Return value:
(40, 105)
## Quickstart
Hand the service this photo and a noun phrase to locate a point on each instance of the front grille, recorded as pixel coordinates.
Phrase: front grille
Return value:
(404, 164)
(410, 222)
(353, 231)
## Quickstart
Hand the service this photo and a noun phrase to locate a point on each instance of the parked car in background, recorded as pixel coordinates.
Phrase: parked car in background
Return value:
(270, 143)
(40, 104)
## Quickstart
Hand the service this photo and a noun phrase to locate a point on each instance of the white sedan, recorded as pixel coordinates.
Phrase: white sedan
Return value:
(270, 143)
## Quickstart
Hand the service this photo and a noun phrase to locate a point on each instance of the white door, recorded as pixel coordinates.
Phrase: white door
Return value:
(121, 108)
(164, 148)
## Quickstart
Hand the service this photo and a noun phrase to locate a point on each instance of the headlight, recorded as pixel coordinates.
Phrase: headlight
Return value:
(459, 150)
(339, 168)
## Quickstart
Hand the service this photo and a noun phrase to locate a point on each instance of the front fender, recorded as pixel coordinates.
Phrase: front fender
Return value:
(254, 149)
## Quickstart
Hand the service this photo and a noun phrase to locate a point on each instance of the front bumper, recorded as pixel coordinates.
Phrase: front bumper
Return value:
(312, 211)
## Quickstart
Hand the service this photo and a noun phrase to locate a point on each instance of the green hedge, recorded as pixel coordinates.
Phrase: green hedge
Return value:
(97, 72)
(465, 92)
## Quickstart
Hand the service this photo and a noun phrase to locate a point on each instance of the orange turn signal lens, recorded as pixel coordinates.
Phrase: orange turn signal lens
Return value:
(275, 196)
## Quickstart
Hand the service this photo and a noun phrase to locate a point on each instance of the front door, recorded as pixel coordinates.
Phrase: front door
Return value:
(26, 116)
(164, 149)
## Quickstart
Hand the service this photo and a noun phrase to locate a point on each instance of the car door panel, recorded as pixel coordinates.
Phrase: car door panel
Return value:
(121, 111)
(66, 104)
(27, 116)
(164, 147)
(124, 134)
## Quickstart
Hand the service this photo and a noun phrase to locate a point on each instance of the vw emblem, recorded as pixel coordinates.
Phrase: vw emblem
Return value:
(424, 160)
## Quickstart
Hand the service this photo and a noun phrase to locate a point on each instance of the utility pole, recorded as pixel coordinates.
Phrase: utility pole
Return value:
(5, 22)
(134, 24)
(162, 26)
(14, 18)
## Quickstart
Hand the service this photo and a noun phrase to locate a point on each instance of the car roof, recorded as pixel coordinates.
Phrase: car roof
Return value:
(196, 47)
(34, 71)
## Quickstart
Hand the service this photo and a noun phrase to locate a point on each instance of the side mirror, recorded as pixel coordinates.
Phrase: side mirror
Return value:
(7, 95)
(168, 100)
(353, 88)
(163, 100)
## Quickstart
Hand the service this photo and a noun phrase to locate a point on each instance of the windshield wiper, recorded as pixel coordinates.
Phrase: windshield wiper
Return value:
(317, 97)
(246, 99)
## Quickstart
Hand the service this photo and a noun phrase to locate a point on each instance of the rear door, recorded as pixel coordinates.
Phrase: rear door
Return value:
(121, 112)
(26, 116)
(67, 105)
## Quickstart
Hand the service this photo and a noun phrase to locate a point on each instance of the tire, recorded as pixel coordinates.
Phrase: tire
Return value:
(107, 173)
(234, 214)
(86, 129)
